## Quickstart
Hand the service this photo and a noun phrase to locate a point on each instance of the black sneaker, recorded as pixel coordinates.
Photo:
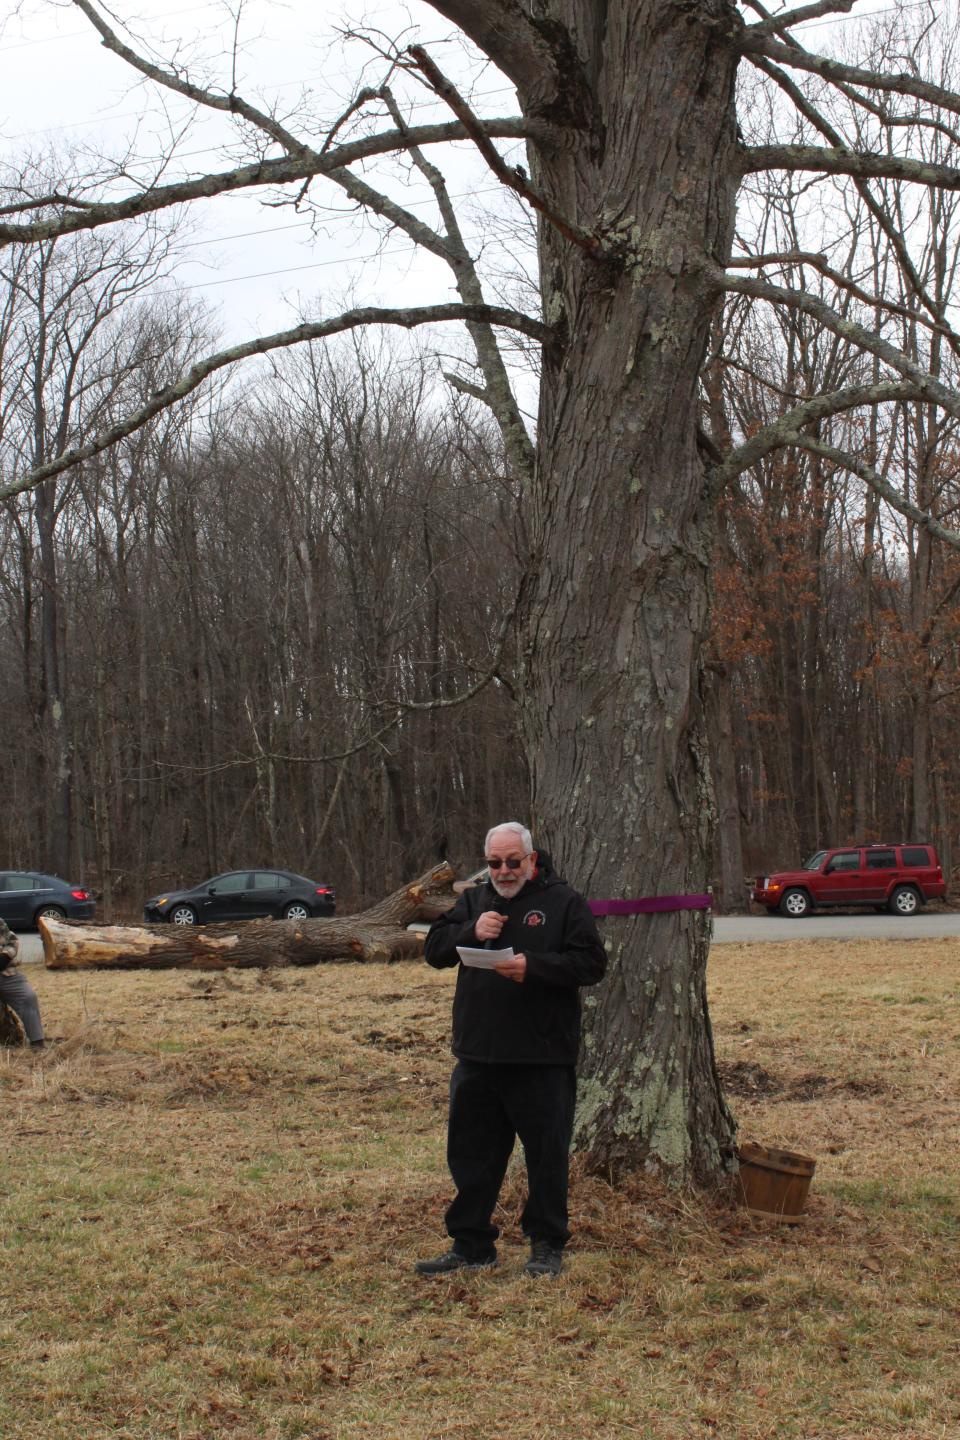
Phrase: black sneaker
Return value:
(453, 1260)
(545, 1259)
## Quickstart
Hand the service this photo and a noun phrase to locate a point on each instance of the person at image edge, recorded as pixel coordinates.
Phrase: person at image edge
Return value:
(15, 989)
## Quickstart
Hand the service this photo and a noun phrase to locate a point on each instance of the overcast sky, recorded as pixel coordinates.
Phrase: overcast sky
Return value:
(261, 268)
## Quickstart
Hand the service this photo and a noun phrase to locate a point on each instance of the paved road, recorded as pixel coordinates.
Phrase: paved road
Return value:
(753, 929)
(760, 929)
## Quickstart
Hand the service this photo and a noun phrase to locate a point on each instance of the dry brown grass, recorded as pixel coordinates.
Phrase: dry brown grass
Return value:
(216, 1186)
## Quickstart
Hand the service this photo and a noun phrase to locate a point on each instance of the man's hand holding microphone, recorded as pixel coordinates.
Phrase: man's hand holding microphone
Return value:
(487, 928)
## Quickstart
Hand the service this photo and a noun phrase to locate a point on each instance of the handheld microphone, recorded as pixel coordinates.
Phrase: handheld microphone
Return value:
(494, 944)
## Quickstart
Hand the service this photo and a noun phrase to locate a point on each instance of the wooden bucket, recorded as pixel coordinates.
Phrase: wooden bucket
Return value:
(775, 1183)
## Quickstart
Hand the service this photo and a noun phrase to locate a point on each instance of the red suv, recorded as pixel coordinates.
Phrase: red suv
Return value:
(898, 878)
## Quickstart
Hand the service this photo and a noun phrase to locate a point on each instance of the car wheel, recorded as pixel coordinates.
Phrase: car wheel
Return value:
(904, 901)
(296, 910)
(50, 912)
(795, 904)
(183, 915)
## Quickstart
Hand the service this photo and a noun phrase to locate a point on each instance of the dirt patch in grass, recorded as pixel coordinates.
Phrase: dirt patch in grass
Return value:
(747, 1078)
(216, 1187)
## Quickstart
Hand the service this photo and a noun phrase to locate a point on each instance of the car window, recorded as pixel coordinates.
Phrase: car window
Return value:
(881, 859)
(266, 880)
(815, 861)
(229, 884)
(845, 860)
(916, 855)
(20, 882)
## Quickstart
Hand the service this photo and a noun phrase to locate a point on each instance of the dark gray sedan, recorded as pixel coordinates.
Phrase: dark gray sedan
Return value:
(25, 895)
(243, 895)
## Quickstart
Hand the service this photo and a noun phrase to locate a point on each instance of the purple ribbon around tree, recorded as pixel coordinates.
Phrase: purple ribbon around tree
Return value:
(651, 904)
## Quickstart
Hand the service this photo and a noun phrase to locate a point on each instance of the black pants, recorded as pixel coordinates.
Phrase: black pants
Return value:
(490, 1105)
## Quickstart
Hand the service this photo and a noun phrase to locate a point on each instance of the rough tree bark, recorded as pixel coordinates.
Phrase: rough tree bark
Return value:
(375, 934)
(622, 524)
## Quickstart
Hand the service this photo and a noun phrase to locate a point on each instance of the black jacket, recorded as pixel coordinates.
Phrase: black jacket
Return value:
(497, 1021)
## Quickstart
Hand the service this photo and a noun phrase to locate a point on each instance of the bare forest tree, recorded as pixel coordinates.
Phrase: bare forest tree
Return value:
(66, 360)
(230, 634)
(635, 152)
(837, 613)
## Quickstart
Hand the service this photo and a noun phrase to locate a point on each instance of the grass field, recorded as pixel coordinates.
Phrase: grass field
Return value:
(214, 1188)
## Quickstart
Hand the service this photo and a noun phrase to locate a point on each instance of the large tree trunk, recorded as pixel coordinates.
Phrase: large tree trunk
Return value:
(622, 525)
(376, 934)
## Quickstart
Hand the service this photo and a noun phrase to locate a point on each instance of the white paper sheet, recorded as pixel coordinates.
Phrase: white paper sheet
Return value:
(484, 959)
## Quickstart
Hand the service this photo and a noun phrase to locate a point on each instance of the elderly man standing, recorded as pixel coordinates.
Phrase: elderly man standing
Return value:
(516, 1034)
(16, 991)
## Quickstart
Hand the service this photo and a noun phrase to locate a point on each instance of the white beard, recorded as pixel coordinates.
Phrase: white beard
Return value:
(508, 892)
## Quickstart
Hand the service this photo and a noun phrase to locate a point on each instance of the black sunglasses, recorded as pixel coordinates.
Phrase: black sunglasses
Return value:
(511, 864)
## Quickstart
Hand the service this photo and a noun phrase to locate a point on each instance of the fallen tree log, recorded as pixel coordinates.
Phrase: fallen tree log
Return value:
(12, 1032)
(377, 934)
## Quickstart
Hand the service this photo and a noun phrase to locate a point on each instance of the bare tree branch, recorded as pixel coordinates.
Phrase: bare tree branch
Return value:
(239, 762)
(789, 428)
(843, 282)
(763, 381)
(233, 103)
(877, 210)
(41, 202)
(928, 387)
(899, 84)
(508, 175)
(489, 673)
(498, 394)
(841, 161)
(318, 330)
(262, 172)
(465, 387)
(883, 488)
(538, 55)
(787, 18)
(363, 97)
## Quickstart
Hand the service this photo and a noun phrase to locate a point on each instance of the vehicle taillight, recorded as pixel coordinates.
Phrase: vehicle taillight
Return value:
(80, 894)
(324, 890)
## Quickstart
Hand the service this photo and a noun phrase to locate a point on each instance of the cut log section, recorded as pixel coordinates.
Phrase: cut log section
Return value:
(11, 1027)
(376, 934)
